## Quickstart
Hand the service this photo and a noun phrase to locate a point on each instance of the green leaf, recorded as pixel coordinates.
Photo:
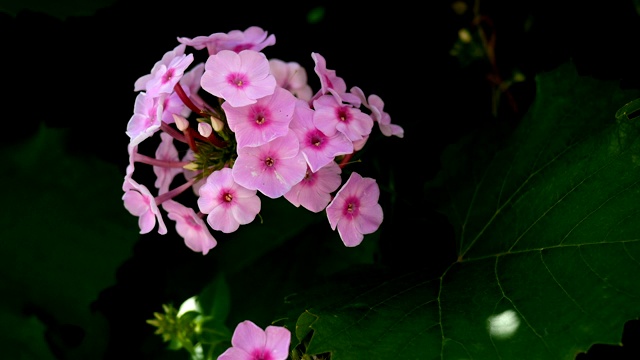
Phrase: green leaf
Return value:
(547, 232)
(25, 340)
(60, 9)
(215, 299)
(64, 233)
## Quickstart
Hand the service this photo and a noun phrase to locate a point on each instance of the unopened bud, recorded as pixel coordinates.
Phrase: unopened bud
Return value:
(191, 166)
(217, 124)
(204, 129)
(181, 122)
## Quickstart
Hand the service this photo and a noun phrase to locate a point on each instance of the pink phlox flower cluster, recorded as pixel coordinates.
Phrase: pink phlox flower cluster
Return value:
(250, 342)
(265, 133)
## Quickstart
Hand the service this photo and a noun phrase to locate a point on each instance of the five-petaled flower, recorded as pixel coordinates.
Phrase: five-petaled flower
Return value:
(250, 342)
(355, 210)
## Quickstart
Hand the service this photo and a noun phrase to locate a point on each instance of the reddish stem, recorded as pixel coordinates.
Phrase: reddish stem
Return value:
(173, 132)
(185, 99)
(345, 160)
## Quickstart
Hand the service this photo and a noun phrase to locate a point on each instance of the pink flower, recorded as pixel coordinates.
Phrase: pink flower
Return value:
(318, 149)
(172, 104)
(239, 78)
(167, 76)
(259, 123)
(190, 226)
(291, 76)
(133, 151)
(253, 38)
(355, 210)
(141, 83)
(200, 42)
(272, 168)
(331, 116)
(146, 118)
(330, 83)
(314, 191)
(376, 105)
(166, 151)
(228, 204)
(250, 342)
(139, 202)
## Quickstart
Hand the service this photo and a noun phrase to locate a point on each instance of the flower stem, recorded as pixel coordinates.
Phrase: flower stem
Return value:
(157, 162)
(175, 192)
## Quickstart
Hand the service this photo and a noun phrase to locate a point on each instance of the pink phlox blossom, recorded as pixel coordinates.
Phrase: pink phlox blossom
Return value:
(190, 226)
(167, 76)
(314, 191)
(359, 144)
(291, 76)
(133, 150)
(238, 78)
(139, 201)
(250, 342)
(146, 118)
(331, 83)
(166, 151)
(141, 83)
(173, 105)
(331, 116)
(272, 168)
(318, 149)
(227, 203)
(375, 104)
(200, 42)
(355, 211)
(253, 38)
(259, 123)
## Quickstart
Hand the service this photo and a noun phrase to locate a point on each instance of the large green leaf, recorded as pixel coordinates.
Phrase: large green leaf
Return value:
(547, 231)
(64, 233)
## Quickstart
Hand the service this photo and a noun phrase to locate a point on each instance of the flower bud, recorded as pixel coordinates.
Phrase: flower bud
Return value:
(204, 129)
(217, 124)
(181, 122)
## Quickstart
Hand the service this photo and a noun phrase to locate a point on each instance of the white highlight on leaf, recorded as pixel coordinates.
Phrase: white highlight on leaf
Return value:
(503, 325)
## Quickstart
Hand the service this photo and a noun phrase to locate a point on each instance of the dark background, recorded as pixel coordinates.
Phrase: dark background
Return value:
(78, 73)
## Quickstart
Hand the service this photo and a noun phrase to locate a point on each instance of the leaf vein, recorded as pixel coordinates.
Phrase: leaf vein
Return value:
(524, 318)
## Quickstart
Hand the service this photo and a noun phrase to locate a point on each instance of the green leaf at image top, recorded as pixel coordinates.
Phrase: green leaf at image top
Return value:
(547, 225)
(60, 9)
